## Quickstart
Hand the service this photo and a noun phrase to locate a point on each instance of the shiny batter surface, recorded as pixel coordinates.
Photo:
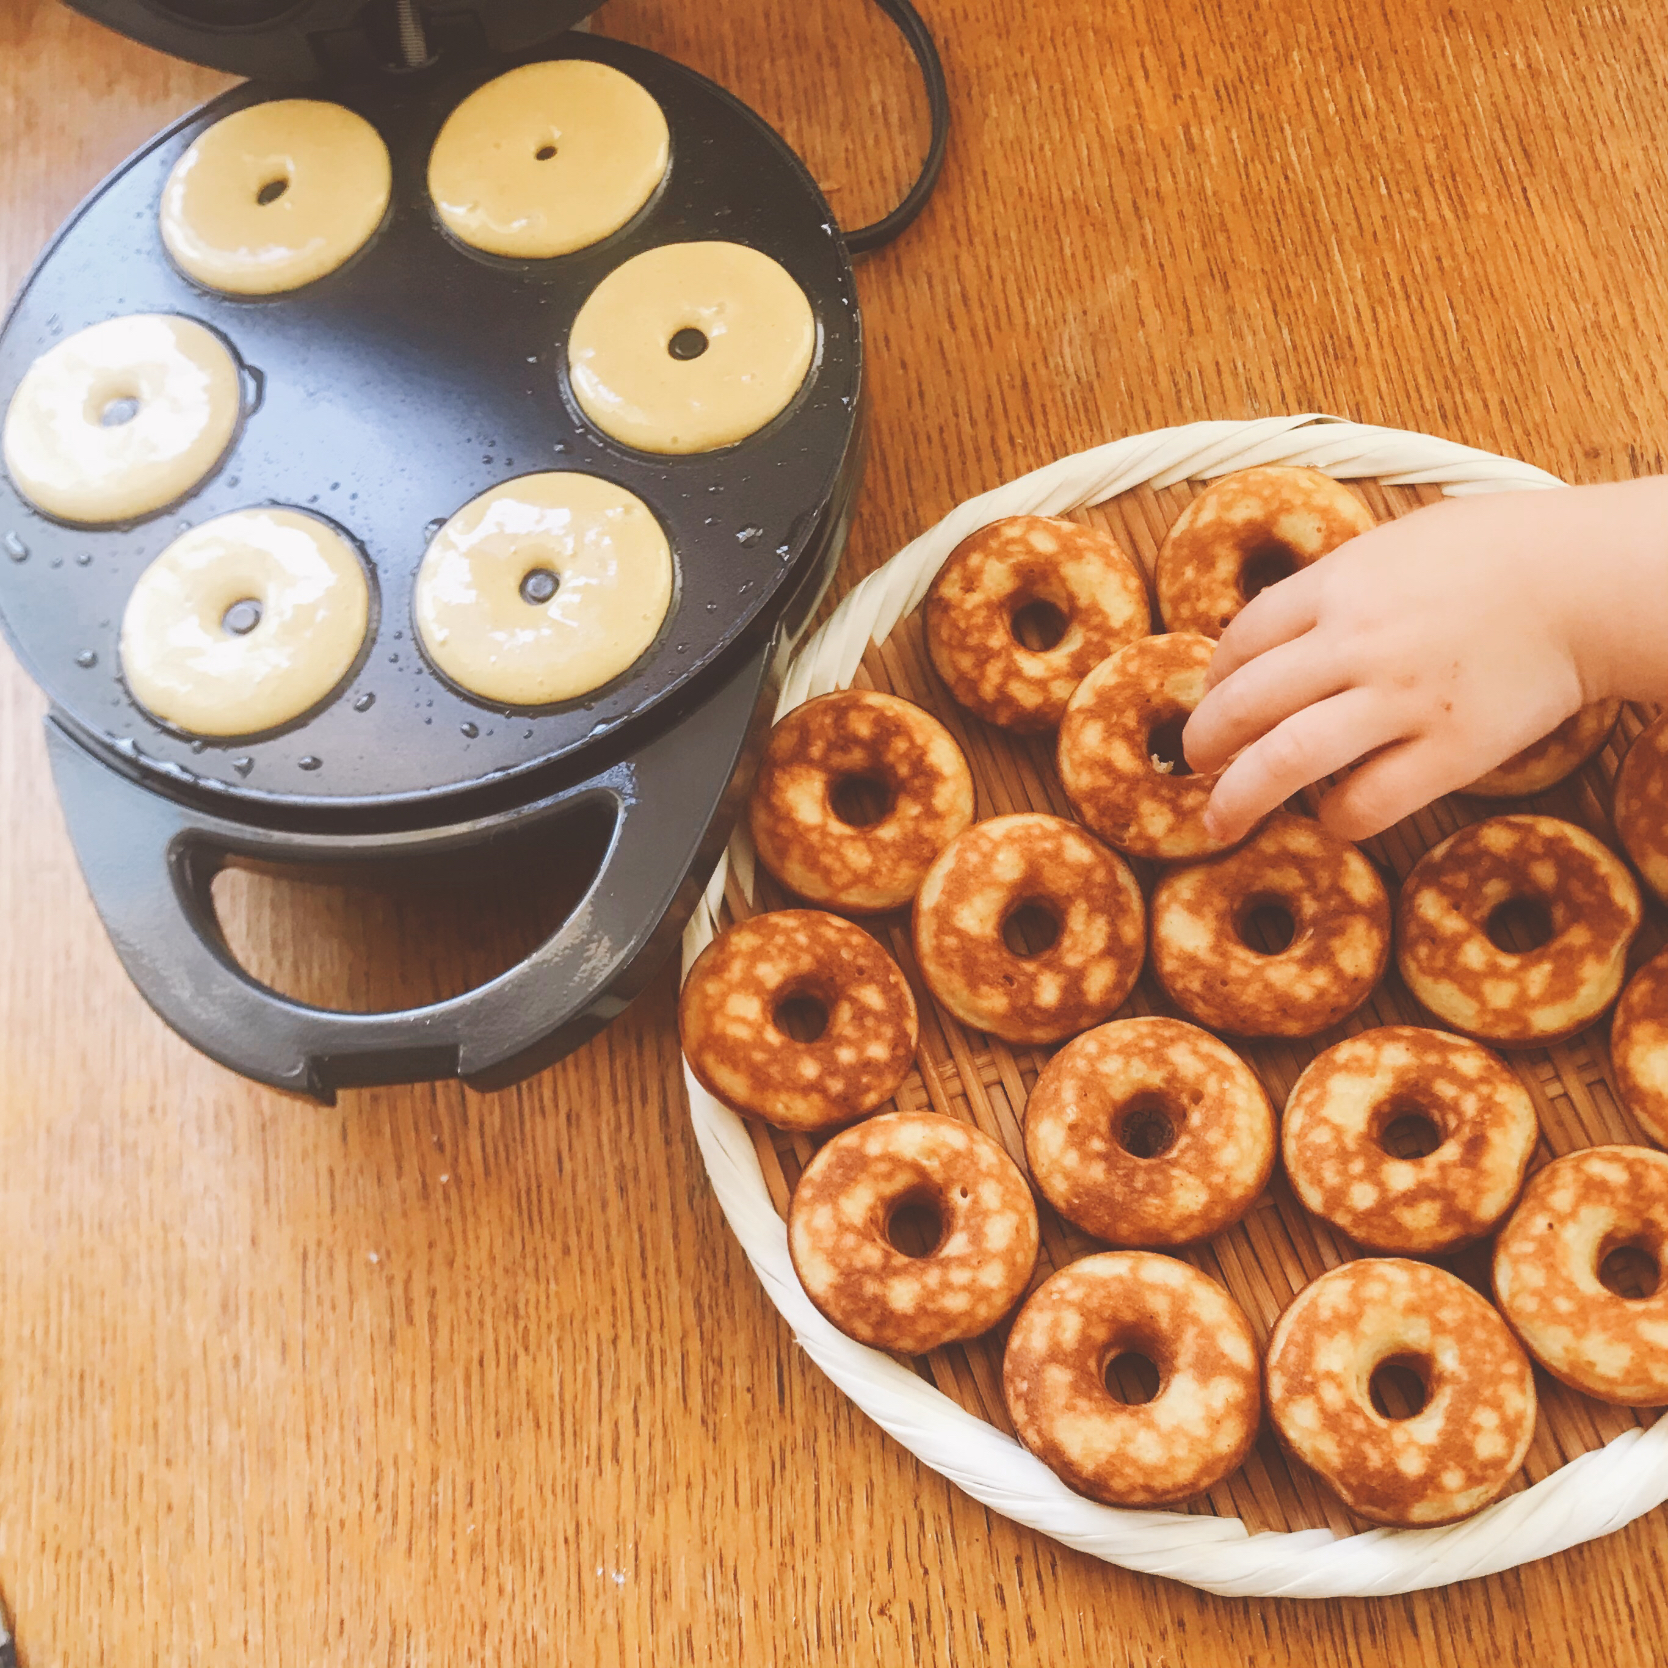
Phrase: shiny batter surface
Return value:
(1341, 939)
(1462, 1447)
(1641, 809)
(1508, 996)
(1639, 1047)
(1545, 763)
(842, 1209)
(1119, 1092)
(736, 1047)
(1574, 1213)
(1196, 1429)
(988, 873)
(1339, 1109)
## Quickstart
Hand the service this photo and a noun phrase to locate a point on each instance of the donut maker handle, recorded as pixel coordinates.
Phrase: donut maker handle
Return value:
(149, 861)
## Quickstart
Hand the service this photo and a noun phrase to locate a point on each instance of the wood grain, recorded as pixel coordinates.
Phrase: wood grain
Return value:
(437, 1378)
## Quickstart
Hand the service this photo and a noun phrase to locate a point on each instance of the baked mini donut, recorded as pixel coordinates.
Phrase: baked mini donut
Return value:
(1205, 920)
(274, 196)
(690, 346)
(1245, 532)
(1547, 1261)
(1348, 1099)
(1545, 763)
(122, 418)
(1119, 751)
(245, 623)
(1641, 809)
(840, 1232)
(1639, 1047)
(1198, 1426)
(543, 589)
(986, 876)
(1149, 1132)
(992, 577)
(731, 1010)
(853, 736)
(1517, 997)
(547, 158)
(1462, 1446)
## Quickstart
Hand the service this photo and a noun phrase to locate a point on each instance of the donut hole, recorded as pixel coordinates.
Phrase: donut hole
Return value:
(242, 617)
(1630, 1269)
(539, 585)
(544, 153)
(1147, 1126)
(1264, 565)
(1164, 745)
(1030, 928)
(122, 409)
(1132, 1378)
(1410, 1132)
(1519, 925)
(1266, 925)
(1038, 625)
(1400, 1386)
(688, 343)
(272, 191)
(860, 801)
(801, 1016)
(915, 1224)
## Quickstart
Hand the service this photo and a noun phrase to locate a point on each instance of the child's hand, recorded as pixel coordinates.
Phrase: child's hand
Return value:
(1431, 649)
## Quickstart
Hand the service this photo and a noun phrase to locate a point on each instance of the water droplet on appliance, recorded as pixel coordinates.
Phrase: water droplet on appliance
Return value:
(712, 607)
(243, 766)
(233, 480)
(128, 748)
(749, 536)
(717, 486)
(393, 660)
(365, 702)
(335, 486)
(85, 559)
(559, 446)
(314, 499)
(470, 730)
(428, 720)
(16, 548)
(199, 745)
(532, 359)
(486, 457)
(526, 735)
(86, 659)
(433, 527)
(310, 761)
(57, 561)
(682, 647)
(784, 551)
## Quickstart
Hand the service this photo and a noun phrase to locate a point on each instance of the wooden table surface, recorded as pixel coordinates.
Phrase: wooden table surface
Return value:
(435, 1377)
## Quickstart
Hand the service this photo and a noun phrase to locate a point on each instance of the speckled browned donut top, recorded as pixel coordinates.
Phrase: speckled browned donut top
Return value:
(1639, 1047)
(1506, 996)
(1003, 569)
(727, 1020)
(988, 873)
(1574, 1213)
(1338, 1111)
(1198, 1427)
(1460, 1449)
(1341, 941)
(1249, 529)
(1642, 805)
(1106, 755)
(839, 1221)
(1125, 1085)
(1545, 763)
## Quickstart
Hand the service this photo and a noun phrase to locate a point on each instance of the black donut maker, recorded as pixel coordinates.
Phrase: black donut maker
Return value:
(384, 397)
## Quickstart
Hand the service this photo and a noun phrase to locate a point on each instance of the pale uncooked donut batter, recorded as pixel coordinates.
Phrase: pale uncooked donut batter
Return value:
(547, 159)
(245, 623)
(275, 195)
(122, 418)
(492, 620)
(744, 324)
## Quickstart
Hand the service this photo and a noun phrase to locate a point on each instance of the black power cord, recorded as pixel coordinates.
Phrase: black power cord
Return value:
(919, 38)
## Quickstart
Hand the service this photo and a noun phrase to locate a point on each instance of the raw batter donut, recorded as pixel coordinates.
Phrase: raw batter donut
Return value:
(1507, 996)
(122, 418)
(728, 1020)
(1639, 1047)
(1641, 809)
(1545, 763)
(1466, 1441)
(543, 589)
(245, 622)
(1119, 733)
(275, 195)
(1245, 532)
(1349, 1099)
(1003, 569)
(547, 158)
(1574, 1214)
(986, 876)
(840, 1224)
(1203, 925)
(1195, 1430)
(862, 735)
(1149, 1132)
(690, 347)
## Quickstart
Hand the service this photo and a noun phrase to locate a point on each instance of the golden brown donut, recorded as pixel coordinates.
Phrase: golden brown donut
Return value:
(862, 735)
(1545, 763)
(1333, 1139)
(1463, 1445)
(1004, 568)
(1574, 1213)
(1202, 912)
(1639, 1047)
(1118, 736)
(728, 1019)
(1197, 1428)
(1149, 1132)
(1641, 810)
(1511, 997)
(1245, 532)
(985, 876)
(840, 1232)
